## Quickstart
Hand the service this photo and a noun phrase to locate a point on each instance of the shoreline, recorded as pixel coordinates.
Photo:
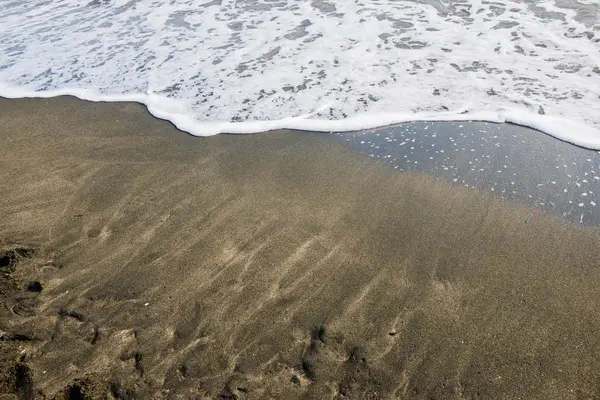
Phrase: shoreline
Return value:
(281, 265)
(586, 136)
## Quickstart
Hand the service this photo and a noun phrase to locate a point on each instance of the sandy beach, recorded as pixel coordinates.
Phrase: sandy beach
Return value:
(139, 262)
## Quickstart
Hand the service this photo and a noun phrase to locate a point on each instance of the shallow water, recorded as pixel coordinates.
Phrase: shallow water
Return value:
(505, 160)
(204, 63)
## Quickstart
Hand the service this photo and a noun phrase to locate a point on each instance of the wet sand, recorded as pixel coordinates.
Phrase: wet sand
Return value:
(510, 161)
(280, 265)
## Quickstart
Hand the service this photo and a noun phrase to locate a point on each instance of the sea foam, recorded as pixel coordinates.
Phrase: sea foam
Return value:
(250, 66)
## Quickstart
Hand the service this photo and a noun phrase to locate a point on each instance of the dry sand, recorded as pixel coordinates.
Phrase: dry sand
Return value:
(278, 265)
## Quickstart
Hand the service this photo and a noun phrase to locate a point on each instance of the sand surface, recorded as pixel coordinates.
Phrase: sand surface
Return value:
(279, 265)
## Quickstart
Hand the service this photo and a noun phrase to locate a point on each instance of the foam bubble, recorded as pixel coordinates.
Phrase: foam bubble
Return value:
(249, 66)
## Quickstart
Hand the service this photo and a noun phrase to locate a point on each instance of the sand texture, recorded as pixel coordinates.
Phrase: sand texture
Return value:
(139, 262)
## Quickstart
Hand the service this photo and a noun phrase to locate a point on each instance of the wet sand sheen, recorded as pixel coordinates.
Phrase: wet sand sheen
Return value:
(275, 265)
(510, 161)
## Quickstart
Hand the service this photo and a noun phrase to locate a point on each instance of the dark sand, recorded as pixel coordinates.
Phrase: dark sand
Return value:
(279, 265)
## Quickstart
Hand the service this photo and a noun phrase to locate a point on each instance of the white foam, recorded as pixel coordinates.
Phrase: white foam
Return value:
(250, 66)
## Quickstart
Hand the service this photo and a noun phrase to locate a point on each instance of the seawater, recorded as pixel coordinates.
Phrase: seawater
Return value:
(245, 66)
(507, 161)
